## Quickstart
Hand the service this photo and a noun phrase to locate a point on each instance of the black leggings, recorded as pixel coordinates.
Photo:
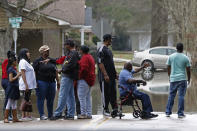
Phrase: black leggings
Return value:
(108, 90)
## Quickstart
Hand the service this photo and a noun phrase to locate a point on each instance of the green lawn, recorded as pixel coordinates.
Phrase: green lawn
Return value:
(123, 54)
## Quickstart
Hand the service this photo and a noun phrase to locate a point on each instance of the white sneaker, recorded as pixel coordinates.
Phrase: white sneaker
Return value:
(81, 117)
(24, 119)
(181, 116)
(30, 118)
(106, 113)
(167, 115)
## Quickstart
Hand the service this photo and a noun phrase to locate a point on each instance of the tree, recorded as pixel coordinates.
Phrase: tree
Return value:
(6, 39)
(182, 14)
(125, 14)
(159, 25)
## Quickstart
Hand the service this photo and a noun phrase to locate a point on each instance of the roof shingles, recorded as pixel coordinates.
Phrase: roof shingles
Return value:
(72, 11)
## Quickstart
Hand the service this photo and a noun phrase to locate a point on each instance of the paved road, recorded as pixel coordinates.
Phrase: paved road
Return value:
(100, 123)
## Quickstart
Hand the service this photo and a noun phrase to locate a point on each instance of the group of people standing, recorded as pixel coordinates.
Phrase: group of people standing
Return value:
(77, 78)
(78, 69)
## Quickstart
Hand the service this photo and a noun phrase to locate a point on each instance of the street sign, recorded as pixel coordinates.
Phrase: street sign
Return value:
(15, 21)
(15, 25)
(18, 19)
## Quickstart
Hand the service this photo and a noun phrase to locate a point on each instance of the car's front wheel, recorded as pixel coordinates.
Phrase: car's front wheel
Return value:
(151, 67)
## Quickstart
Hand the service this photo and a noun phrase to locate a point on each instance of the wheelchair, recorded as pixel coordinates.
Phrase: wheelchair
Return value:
(130, 100)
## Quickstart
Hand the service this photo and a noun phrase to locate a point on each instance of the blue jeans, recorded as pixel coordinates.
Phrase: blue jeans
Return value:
(4, 84)
(145, 100)
(84, 95)
(45, 90)
(181, 87)
(66, 97)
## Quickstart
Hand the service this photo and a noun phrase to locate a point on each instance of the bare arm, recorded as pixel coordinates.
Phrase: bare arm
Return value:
(169, 70)
(24, 79)
(188, 74)
(133, 81)
(11, 78)
(102, 68)
(138, 69)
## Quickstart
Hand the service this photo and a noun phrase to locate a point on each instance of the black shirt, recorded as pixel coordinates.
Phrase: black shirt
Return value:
(45, 72)
(71, 66)
(105, 56)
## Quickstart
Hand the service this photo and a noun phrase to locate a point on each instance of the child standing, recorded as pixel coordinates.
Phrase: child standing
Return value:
(13, 93)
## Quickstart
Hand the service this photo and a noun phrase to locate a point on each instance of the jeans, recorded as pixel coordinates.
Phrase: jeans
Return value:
(181, 87)
(84, 95)
(45, 90)
(66, 97)
(145, 99)
(4, 84)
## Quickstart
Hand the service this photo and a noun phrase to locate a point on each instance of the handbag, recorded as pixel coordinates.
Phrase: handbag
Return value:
(26, 106)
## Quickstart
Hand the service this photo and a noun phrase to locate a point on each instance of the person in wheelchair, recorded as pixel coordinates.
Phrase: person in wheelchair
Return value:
(129, 84)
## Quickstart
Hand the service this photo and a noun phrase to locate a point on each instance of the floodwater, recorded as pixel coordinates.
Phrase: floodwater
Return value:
(157, 87)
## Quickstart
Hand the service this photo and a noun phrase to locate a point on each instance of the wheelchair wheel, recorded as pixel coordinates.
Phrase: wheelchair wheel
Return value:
(136, 113)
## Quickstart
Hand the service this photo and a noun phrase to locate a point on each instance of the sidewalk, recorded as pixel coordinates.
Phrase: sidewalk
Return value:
(128, 123)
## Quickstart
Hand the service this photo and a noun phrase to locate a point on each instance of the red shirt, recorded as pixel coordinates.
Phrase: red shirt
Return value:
(87, 69)
(4, 69)
(61, 60)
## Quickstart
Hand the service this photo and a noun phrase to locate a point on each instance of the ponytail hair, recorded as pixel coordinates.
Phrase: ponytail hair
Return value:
(11, 60)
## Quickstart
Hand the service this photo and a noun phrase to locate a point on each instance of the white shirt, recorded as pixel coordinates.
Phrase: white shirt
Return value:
(29, 73)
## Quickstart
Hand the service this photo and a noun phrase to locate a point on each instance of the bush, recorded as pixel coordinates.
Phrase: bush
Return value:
(95, 39)
(93, 49)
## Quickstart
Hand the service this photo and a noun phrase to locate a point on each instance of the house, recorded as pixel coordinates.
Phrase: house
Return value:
(140, 37)
(52, 23)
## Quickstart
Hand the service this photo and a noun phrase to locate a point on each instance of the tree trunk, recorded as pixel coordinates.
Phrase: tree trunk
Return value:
(159, 23)
(6, 38)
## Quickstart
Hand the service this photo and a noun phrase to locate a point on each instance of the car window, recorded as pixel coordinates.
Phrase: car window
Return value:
(160, 51)
(171, 51)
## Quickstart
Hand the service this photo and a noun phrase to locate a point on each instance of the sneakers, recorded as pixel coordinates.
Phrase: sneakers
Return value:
(114, 113)
(154, 115)
(106, 113)
(84, 117)
(167, 115)
(43, 117)
(148, 115)
(81, 117)
(181, 116)
(89, 117)
(26, 119)
(53, 118)
(68, 118)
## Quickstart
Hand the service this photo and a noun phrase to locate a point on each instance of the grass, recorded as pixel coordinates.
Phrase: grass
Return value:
(0, 72)
(123, 54)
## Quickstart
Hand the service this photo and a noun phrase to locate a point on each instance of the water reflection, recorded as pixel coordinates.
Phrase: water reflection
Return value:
(157, 88)
(157, 83)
